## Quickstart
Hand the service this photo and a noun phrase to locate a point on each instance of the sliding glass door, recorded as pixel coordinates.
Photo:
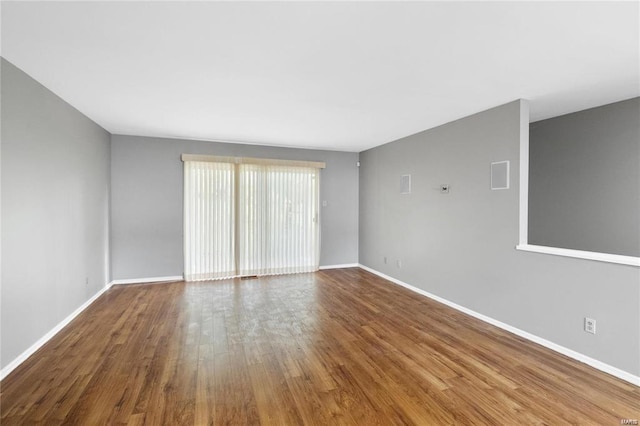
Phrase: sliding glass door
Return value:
(250, 219)
(277, 222)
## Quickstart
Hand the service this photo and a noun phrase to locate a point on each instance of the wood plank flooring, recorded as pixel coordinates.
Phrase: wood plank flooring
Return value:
(334, 347)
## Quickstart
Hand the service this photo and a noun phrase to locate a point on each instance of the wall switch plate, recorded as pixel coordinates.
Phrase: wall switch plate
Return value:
(444, 188)
(590, 325)
(399, 263)
(324, 203)
(405, 184)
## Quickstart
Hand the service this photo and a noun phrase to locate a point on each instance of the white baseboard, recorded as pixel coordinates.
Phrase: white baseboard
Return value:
(147, 280)
(345, 265)
(599, 365)
(44, 339)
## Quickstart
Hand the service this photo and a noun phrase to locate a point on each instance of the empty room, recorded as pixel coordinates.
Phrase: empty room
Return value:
(288, 213)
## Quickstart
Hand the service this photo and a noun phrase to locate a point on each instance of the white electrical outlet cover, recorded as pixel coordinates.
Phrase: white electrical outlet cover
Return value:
(590, 325)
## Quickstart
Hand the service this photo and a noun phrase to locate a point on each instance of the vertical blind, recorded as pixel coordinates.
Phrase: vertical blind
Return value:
(252, 218)
(209, 220)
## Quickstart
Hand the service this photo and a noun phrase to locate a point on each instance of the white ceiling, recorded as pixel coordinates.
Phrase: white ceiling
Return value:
(343, 76)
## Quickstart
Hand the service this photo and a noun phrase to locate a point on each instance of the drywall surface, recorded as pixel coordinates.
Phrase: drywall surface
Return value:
(584, 180)
(147, 201)
(460, 245)
(55, 207)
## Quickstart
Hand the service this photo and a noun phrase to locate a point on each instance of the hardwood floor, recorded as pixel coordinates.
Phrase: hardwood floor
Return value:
(334, 347)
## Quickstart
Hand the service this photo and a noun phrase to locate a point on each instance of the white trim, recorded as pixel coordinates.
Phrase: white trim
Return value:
(44, 339)
(344, 265)
(147, 280)
(580, 254)
(523, 234)
(599, 365)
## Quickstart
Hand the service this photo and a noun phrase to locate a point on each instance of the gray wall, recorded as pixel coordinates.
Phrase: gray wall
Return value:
(146, 209)
(55, 206)
(460, 246)
(584, 180)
